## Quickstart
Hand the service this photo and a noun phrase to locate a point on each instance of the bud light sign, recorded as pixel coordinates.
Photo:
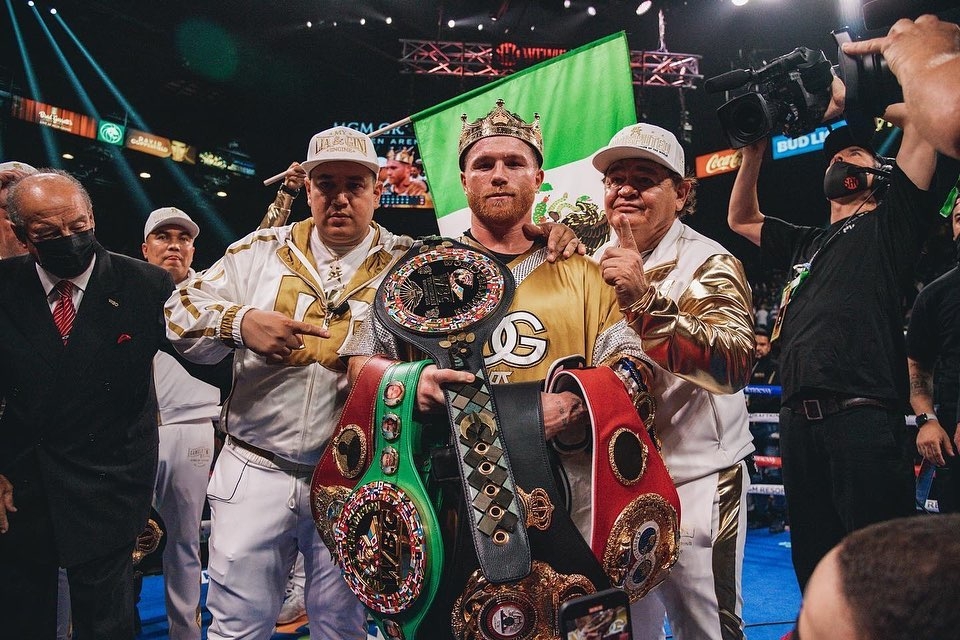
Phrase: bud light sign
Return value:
(784, 147)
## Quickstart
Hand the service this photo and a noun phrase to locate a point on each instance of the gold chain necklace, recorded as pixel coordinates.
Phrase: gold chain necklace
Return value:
(333, 284)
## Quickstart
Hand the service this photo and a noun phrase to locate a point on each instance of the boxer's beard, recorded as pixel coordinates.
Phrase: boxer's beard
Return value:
(505, 214)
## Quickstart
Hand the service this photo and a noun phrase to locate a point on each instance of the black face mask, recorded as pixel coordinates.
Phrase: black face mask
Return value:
(67, 256)
(843, 179)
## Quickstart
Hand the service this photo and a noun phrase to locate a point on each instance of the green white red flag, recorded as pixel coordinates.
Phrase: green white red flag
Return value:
(583, 97)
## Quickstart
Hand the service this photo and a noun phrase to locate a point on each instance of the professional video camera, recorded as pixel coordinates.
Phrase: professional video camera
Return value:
(790, 94)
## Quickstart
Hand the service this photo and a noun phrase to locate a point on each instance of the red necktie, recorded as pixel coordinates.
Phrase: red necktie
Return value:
(63, 311)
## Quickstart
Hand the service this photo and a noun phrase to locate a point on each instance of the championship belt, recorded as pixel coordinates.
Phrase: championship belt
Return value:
(524, 610)
(447, 298)
(636, 509)
(564, 566)
(348, 452)
(387, 537)
(554, 538)
(148, 550)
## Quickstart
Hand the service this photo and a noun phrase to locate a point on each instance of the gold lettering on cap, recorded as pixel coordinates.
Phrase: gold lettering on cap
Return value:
(651, 141)
(340, 141)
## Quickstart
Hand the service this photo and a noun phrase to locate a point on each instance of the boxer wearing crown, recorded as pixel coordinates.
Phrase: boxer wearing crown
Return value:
(528, 533)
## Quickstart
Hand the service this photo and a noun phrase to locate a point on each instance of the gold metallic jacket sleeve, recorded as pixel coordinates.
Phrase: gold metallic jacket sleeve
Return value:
(705, 337)
(278, 211)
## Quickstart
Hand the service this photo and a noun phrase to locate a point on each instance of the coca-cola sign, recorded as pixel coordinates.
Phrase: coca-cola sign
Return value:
(713, 164)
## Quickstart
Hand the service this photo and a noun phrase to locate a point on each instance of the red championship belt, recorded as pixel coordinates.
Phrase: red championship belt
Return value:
(348, 452)
(636, 509)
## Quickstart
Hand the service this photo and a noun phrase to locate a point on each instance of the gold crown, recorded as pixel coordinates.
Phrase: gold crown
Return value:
(405, 156)
(501, 122)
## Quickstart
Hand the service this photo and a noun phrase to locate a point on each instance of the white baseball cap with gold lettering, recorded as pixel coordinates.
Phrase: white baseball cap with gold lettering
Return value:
(169, 216)
(341, 144)
(16, 165)
(644, 141)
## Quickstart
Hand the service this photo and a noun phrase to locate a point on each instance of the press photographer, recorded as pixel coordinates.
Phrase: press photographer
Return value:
(844, 444)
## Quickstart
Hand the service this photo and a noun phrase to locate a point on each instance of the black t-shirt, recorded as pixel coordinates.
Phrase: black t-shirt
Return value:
(842, 331)
(933, 339)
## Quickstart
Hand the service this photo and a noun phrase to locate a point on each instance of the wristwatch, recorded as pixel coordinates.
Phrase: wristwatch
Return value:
(924, 418)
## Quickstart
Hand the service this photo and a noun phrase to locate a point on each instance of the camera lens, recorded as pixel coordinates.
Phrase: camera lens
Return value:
(746, 119)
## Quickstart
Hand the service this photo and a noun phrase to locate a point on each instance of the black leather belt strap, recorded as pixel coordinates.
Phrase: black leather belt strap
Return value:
(560, 545)
(825, 406)
(281, 463)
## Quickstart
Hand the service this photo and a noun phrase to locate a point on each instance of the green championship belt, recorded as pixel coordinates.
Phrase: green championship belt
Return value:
(447, 298)
(387, 536)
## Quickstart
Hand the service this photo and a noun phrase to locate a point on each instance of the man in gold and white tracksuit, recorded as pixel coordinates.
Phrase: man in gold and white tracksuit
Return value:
(689, 301)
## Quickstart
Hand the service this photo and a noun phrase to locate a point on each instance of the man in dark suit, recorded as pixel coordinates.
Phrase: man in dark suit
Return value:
(78, 435)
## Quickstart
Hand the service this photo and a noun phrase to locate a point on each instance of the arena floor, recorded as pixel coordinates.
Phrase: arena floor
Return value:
(771, 595)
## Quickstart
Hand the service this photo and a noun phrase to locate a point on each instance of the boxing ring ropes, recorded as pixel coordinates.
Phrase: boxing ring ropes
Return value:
(925, 472)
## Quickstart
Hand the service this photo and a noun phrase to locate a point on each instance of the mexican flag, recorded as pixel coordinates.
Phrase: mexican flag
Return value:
(583, 97)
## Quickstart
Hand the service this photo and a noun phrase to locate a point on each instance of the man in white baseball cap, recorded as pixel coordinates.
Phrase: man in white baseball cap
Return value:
(285, 299)
(168, 237)
(187, 407)
(10, 172)
(170, 216)
(683, 293)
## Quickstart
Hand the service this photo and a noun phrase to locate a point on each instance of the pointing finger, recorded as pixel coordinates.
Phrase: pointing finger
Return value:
(627, 241)
(305, 329)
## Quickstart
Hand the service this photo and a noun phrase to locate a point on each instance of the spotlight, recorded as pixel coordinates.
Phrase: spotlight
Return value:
(363, 21)
(145, 175)
(334, 23)
(309, 25)
(221, 194)
(451, 23)
(53, 12)
(479, 27)
(644, 6)
(566, 4)
(738, 3)
(389, 20)
(31, 3)
(532, 27)
(67, 156)
(591, 10)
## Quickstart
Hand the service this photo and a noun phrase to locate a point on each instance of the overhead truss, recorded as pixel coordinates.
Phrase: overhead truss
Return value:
(440, 58)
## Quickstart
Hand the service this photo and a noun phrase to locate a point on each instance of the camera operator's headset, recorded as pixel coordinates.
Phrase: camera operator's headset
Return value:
(882, 173)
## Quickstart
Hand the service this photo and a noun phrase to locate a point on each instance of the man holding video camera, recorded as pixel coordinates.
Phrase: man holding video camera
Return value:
(846, 451)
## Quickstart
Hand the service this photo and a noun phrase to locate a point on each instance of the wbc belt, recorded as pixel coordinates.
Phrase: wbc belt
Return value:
(447, 298)
(348, 452)
(387, 536)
